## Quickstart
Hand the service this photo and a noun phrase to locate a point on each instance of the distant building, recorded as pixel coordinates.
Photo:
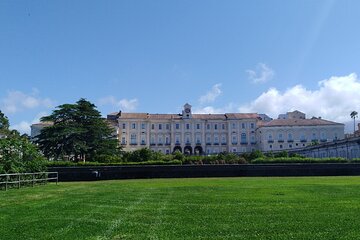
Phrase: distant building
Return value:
(187, 132)
(293, 130)
(37, 127)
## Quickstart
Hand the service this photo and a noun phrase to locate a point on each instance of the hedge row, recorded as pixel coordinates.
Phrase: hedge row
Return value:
(73, 164)
(298, 160)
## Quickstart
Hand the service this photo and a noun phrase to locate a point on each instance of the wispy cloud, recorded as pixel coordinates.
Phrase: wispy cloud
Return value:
(17, 101)
(212, 110)
(211, 95)
(127, 105)
(261, 74)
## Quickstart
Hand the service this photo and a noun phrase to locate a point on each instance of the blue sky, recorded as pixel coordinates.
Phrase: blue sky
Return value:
(154, 56)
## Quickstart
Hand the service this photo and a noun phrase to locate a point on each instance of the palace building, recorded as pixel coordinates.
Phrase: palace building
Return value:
(187, 132)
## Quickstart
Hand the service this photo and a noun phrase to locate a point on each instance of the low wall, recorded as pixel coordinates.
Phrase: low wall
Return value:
(194, 171)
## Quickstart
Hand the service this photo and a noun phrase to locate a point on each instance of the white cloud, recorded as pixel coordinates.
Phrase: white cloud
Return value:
(334, 99)
(16, 101)
(262, 74)
(24, 126)
(211, 95)
(211, 109)
(126, 105)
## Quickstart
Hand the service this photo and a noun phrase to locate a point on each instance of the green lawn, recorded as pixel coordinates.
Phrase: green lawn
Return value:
(215, 208)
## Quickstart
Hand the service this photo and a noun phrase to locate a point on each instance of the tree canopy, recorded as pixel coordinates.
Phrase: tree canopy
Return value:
(17, 153)
(4, 124)
(78, 133)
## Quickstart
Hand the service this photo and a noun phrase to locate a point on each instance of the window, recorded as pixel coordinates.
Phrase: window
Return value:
(187, 126)
(223, 126)
(133, 125)
(208, 126)
(208, 140)
(167, 126)
(234, 139)
(280, 136)
(160, 126)
(233, 126)
(123, 126)
(252, 125)
(234, 150)
(133, 138)
(177, 126)
(323, 135)
(290, 136)
(270, 146)
(243, 125)
(143, 140)
(152, 126)
(216, 139)
(243, 138)
(187, 139)
(198, 139)
(198, 126)
(313, 136)
(143, 126)
(167, 140)
(302, 137)
(167, 151)
(152, 140)
(270, 137)
(177, 139)
(123, 140)
(215, 126)
(160, 139)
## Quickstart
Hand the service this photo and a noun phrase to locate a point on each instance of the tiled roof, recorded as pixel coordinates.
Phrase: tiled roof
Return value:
(148, 116)
(297, 122)
(209, 116)
(241, 115)
(179, 116)
(43, 124)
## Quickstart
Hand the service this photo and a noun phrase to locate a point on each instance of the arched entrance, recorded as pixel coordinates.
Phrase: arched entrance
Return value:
(188, 150)
(198, 150)
(177, 148)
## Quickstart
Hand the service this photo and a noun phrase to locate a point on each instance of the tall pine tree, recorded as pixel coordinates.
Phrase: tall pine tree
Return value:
(78, 133)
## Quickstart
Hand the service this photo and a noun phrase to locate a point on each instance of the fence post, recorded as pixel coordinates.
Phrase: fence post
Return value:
(33, 179)
(57, 178)
(6, 182)
(19, 181)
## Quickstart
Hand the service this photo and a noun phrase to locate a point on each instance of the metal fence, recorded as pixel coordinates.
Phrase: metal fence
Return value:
(18, 180)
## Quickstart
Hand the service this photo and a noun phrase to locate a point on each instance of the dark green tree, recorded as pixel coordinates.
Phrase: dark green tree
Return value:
(4, 124)
(78, 133)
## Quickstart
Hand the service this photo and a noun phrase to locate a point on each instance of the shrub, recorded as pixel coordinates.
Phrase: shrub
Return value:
(73, 164)
(299, 160)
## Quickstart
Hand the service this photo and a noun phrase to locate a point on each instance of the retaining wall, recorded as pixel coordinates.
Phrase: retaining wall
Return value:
(194, 171)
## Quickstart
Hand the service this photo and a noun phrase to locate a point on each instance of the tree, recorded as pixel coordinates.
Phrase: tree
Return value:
(17, 153)
(4, 124)
(354, 115)
(78, 133)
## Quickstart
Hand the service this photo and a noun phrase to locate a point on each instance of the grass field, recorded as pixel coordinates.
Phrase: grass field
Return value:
(216, 208)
